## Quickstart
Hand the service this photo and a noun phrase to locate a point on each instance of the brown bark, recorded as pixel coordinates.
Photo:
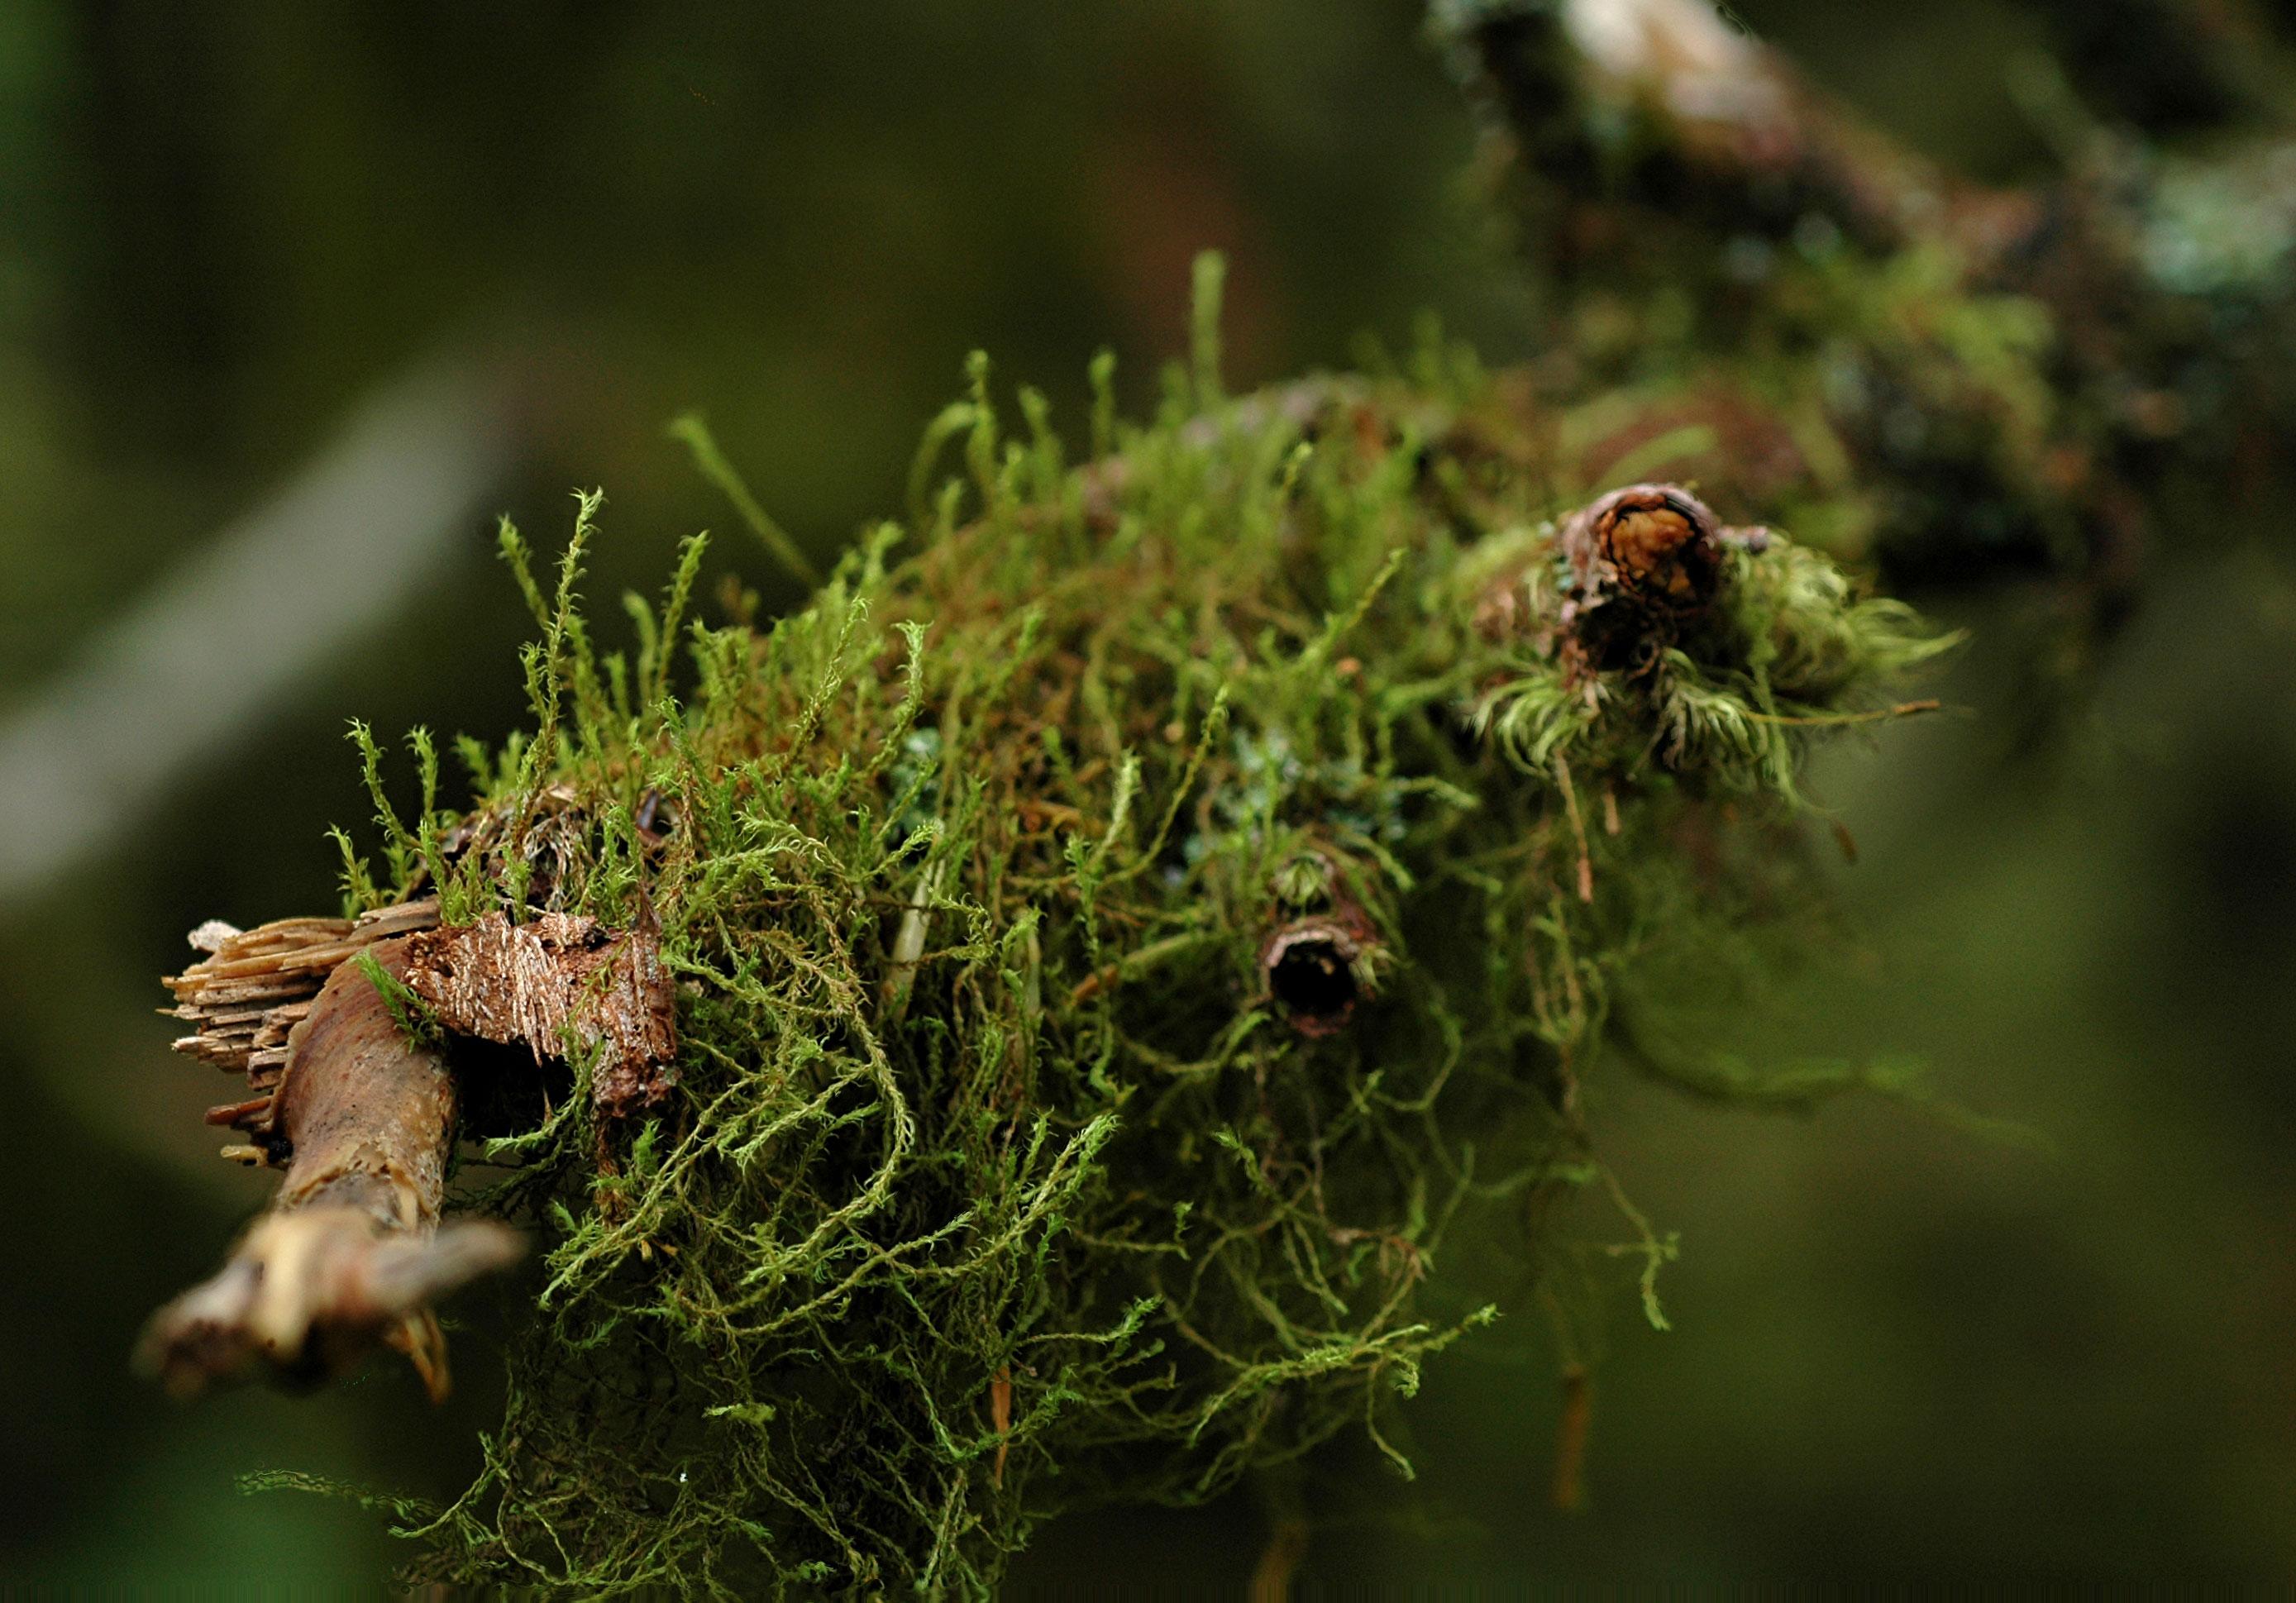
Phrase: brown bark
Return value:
(559, 984)
(351, 1252)
(362, 1118)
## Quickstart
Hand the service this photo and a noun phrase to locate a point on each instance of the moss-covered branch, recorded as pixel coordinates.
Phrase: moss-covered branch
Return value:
(1115, 929)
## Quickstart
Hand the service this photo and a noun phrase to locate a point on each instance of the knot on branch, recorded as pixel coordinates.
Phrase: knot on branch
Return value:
(1317, 968)
(1645, 566)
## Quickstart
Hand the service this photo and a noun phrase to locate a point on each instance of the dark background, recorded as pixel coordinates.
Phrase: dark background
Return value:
(1899, 1350)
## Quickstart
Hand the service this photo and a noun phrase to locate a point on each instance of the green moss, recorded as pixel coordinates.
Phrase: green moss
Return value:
(1008, 1167)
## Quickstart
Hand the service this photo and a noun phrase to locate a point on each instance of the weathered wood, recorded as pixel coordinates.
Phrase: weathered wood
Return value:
(256, 986)
(561, 986)
(351, 1253)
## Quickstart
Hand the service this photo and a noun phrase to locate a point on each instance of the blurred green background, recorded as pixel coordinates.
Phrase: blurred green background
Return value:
(430, 262)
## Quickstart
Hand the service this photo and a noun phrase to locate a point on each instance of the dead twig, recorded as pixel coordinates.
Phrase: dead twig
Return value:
(351, 1253)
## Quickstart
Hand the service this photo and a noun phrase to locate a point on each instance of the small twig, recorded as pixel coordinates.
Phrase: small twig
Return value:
(1000, 1418)
(351, 1254)
(1570, 1433)
(1903, 709)
(1279, 1562)
(1578, 828)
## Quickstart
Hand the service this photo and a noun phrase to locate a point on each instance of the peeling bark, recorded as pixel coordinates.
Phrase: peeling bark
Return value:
(562, 987)
(351, 1252)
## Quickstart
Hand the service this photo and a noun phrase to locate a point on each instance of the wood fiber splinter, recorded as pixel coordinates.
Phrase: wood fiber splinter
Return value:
(351, 1252)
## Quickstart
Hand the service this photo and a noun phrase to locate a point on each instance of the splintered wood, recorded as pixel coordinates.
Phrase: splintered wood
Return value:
(560, 986)
(352, 1251)
(361, 1114)
(254, 987)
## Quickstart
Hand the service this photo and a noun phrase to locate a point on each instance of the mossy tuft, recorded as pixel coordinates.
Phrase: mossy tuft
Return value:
(1120, 924)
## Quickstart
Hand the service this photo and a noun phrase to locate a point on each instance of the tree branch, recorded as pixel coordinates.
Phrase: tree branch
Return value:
(351, 1252)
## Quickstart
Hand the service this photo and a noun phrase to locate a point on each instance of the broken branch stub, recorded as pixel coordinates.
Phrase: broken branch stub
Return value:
(560, 986)
(1645, 563)
(1643, 568)
(1316, 969)
(245, 998)
(351, 1253)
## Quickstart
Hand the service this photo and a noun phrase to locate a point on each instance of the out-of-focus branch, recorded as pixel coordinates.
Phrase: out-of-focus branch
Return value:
(230, 633)
(1997, 380)
(2169, 67)
(1659, 108)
